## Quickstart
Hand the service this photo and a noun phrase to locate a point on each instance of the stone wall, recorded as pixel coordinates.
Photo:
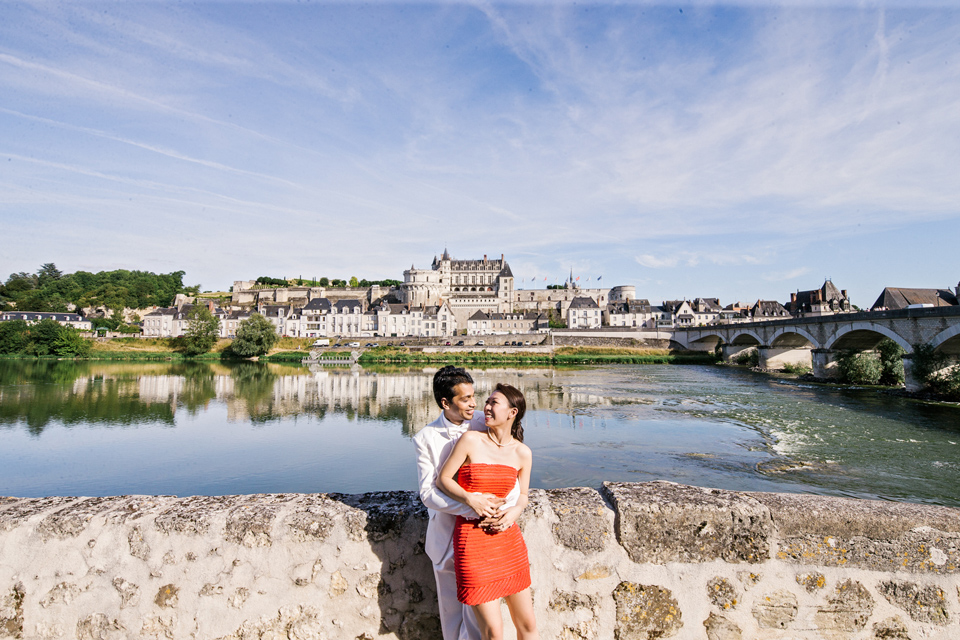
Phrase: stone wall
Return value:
(631, 561)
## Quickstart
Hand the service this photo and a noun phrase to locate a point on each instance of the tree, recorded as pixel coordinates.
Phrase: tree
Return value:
(14, 336)
(891, 362)
(48, 273)
(71, 343)
(324, 281)
(202, 332)
(354, 283)
(255, 336)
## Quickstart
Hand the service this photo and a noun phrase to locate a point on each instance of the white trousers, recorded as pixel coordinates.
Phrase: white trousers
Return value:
(457, 620)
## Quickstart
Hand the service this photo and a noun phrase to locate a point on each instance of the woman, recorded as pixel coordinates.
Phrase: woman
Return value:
(490, 555)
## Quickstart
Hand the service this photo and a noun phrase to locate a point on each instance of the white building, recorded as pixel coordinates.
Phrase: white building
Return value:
(32, 317)
(631, 313)
(584, 313)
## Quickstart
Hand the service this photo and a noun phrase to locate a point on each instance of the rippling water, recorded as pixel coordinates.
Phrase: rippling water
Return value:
(103, 429)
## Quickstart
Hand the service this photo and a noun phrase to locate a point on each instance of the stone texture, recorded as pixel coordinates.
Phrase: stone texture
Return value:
(662, 522)
(775, 610)
(167, 597)
(645, 612)
(129, 592)
(138, 548)
(338, 584)
(250, 523)
(924, 603)
(596, 572)
(99, 627)
(722, 594)
(563, 601)
(585, 522)
(62, 594)
(868, 534)
(11, 612)
(314, 520)
(720, 628)
(890, 629)
(846, 611)
(812, 582)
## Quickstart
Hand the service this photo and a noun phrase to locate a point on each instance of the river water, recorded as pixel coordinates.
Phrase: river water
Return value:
(96, 429)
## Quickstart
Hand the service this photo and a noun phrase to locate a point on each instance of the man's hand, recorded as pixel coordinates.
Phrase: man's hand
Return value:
(486, 505)
(502, 521)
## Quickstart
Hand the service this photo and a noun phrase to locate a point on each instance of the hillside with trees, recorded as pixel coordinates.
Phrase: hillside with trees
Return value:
(50, 290)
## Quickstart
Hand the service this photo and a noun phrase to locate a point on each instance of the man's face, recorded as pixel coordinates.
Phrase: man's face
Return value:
(463, 404)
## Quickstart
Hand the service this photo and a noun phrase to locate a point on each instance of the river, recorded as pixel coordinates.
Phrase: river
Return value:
(89, 428)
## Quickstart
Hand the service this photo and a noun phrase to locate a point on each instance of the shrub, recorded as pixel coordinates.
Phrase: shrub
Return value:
(931, 368)
(859, 367)
(891, 362)
(749, 358)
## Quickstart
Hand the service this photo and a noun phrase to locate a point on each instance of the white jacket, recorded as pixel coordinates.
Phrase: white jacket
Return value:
(434, 445)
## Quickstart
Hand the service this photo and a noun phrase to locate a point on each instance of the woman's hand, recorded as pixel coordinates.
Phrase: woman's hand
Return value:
(486, 505)
(503, 520)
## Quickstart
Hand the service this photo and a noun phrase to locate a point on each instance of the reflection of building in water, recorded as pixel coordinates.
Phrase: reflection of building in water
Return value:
(258, 394)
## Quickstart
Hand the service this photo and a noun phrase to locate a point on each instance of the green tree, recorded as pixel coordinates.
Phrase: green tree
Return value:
(255, 336)
(354, 283)
(202, 331)
(48, 273)
(14, 336)
(859, 367)
(43, 337)
(71, 343)
(324, 281)
(891, 362)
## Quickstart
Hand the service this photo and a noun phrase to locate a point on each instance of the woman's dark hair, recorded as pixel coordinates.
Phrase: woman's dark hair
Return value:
(515, 399)
(446, 379)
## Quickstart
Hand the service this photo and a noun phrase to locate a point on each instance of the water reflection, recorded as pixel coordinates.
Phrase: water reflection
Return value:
(250, 427)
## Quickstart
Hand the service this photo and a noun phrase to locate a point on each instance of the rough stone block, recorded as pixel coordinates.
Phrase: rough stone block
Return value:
(72, 519)
(890, 629)
(812, 582)
(846, 611)
(720, 628)
(11, 612)
(381, 516)
(167, 597)
(660, 522)
(585, 522)
(570, 601)
(924, 603)
(645, 612)
(99, 627)
(775, 610)
(722, 594)
(868, 534)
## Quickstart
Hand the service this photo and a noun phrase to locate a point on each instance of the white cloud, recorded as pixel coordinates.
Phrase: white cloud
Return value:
(780, 276)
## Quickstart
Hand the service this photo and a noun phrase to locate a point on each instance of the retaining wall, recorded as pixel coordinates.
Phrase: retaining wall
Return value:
(651, 560)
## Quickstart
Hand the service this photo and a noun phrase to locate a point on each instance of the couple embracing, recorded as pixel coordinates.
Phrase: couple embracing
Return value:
(474, 474)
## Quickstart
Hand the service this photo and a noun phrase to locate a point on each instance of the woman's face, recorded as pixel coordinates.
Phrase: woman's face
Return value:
(497, 411)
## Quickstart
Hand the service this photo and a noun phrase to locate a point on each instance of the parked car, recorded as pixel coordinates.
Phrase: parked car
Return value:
(460, 343)
(527, 343)
(375, 345)
(480, 343)
(448, 343)
(355, 345)
(403, 344)
(322, 342)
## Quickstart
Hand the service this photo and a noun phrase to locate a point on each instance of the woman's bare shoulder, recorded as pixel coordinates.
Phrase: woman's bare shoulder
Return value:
(525, 452)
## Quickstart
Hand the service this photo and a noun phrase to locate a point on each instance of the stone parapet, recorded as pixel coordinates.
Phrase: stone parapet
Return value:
(631, 561)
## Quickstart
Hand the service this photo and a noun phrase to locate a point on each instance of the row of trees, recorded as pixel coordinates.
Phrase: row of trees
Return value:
(255, 335)
(44, 338)
(53, 291)
(353, 282)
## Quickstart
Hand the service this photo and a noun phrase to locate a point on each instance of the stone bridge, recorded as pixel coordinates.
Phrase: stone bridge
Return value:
(815, 342)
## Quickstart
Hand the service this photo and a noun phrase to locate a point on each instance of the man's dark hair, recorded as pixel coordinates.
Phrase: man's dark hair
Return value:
(446, 379)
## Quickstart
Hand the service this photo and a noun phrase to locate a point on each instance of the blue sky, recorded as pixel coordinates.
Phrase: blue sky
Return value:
(740, 150)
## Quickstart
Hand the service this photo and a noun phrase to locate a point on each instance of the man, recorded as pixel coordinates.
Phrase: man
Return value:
(453, 391)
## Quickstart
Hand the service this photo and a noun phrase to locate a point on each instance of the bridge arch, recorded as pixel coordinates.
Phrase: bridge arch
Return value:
(863, 336)
(746, 337)
(793, 337)
(948, 340)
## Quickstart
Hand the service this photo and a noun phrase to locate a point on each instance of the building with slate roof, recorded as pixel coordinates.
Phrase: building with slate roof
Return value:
(825, 301)
(74, 320)
(894, 298)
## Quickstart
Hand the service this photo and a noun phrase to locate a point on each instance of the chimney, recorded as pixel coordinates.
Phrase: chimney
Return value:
(501, 257)
(793, 299)
(210, 305)
(484, 258)
(843, 292)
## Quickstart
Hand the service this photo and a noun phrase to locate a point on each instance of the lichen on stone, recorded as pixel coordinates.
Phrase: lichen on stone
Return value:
(775, 610)
(645, 612)
(924, 603)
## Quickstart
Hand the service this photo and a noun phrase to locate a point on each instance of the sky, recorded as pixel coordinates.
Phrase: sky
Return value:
(691, 149)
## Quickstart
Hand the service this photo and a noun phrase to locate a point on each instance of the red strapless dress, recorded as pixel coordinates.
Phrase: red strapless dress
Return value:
(488, 565)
